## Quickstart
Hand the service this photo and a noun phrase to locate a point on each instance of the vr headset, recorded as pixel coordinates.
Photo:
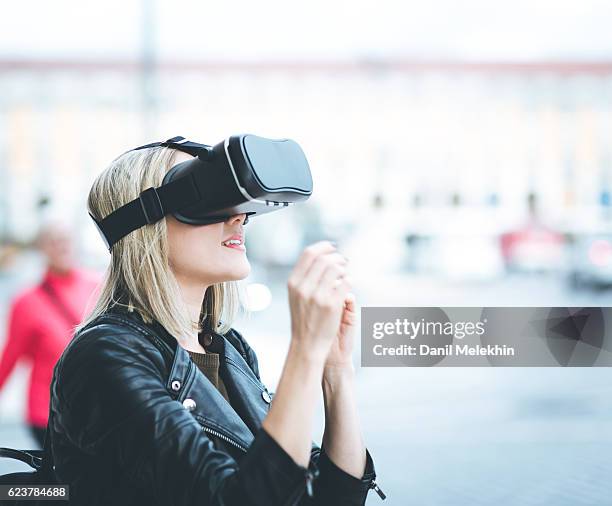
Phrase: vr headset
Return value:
(242, 174)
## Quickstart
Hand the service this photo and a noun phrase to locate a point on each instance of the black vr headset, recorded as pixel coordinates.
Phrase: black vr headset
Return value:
(242, 174)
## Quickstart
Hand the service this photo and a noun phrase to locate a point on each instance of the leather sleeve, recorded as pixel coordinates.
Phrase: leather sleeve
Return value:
(332, 485)
(335, 487)
(19, 338)
(115, 402)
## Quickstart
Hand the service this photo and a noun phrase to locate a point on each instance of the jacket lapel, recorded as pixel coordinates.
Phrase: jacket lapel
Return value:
(245, 391)
(238, 421)
(211, 409)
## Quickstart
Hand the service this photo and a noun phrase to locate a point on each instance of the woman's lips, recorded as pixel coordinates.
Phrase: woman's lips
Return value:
(235, 246)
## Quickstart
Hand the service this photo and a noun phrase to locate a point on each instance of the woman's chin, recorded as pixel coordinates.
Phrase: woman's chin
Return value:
(230, 272)
(239, 273)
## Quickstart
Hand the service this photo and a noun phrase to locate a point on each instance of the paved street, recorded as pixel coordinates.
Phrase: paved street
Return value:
(453, 436)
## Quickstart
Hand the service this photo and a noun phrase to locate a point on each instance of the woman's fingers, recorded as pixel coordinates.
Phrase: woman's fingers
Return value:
(326, 287)
(342, 287)
(322, 272)
(350, 300)
(349, 306)
(318, 288)
(307, 258)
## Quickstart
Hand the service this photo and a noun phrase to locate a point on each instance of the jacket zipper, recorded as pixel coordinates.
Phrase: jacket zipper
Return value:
(309, 480)
(378, 490)
(294, 498)
(224, 437)
(309, 476)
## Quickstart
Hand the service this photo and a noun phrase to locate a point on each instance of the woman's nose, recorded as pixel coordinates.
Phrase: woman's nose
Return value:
(237, 218)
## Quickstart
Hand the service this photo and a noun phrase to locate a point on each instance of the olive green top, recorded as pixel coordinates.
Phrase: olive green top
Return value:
(208, 363)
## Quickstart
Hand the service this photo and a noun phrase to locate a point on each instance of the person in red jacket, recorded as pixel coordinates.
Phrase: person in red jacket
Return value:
(41, 320)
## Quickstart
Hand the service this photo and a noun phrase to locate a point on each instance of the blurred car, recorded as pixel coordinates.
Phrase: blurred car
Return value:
(533, 248)
(591, 261)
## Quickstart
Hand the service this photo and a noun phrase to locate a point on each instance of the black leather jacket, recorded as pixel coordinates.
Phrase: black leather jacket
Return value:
(131, 420)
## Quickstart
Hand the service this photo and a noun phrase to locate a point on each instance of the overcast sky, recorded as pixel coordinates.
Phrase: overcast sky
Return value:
(311, 29)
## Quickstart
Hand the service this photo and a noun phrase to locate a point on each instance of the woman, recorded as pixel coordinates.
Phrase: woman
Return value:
(157, 400)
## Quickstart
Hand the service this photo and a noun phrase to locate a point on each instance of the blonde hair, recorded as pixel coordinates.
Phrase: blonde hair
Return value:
(139, 277)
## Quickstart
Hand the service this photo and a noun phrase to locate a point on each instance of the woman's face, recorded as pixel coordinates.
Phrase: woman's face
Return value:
(199, 252)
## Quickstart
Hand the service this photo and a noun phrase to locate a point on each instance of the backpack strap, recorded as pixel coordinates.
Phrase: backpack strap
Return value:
(31, 457)
(47, 467)
(39, 460)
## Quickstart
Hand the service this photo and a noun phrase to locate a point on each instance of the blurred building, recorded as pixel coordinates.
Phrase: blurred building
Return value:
(446, 148)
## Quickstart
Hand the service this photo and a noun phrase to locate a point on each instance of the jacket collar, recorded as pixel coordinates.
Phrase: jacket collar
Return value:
(238, 421)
